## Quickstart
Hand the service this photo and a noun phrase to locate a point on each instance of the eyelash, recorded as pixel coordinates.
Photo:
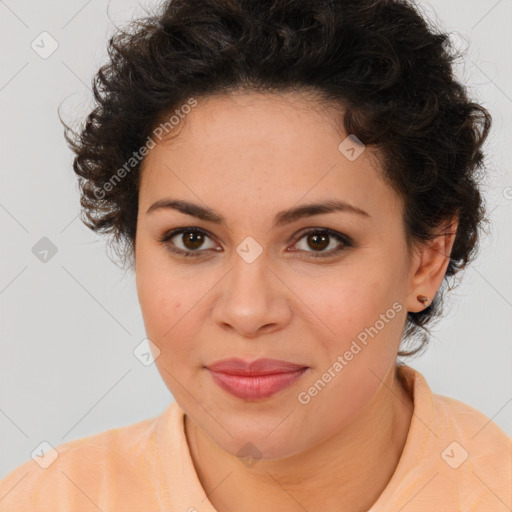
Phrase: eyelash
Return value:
(345, 240)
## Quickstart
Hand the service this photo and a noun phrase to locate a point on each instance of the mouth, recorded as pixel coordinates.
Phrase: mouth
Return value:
(255, 380)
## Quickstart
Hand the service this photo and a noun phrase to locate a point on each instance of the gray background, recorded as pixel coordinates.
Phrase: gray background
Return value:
(69, 325)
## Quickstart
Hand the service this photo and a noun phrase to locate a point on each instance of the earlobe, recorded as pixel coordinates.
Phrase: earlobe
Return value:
(431, 263)
(426, 301)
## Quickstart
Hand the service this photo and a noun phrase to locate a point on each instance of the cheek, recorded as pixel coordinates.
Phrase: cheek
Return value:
(163, 311)
(160, 299)
(365, 320)
(160, 293)
(355, 363)
(351, 303)
(173, 308)
(166, 325)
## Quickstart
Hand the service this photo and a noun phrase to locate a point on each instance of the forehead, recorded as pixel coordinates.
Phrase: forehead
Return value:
(273, 149)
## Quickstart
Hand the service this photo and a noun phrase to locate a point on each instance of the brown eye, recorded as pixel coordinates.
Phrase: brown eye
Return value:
(192, 239)
(187, 242)
(316, 242)
(193, 242)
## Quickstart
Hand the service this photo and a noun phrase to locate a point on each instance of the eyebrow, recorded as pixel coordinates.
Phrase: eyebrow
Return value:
(282, 218)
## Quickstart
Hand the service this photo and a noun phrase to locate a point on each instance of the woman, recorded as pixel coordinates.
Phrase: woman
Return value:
(292, 183)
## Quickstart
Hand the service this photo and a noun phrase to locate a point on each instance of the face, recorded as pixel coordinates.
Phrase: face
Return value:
(323, 290)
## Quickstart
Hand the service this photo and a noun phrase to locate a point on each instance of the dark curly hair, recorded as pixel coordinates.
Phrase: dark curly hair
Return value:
(389, 69)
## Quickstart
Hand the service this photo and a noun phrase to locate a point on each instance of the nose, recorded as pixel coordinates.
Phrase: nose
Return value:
(253, 300)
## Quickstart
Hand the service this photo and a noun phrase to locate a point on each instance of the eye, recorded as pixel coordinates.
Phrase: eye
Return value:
(191, 241)
(321, 238)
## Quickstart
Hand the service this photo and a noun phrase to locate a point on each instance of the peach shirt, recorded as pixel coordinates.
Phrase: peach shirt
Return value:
(455, 460)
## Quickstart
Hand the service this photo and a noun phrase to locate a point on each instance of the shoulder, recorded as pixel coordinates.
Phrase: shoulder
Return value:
(486, 441)
(82, 470)
(478, 453)
(469, 453)
(452, 417)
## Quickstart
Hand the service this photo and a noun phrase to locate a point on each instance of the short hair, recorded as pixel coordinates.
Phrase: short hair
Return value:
(390, 70)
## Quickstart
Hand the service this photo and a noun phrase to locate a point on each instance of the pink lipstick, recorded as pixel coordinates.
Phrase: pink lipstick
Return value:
(255, 380)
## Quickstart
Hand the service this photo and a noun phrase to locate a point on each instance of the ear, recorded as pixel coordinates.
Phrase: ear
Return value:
(429, 266)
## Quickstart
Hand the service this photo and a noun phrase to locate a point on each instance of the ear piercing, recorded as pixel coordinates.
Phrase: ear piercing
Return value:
(424, 300)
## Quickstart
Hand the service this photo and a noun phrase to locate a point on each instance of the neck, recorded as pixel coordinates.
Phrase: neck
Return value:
(346, 472)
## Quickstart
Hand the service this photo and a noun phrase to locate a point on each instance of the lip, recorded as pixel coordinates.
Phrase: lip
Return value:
(255, 380)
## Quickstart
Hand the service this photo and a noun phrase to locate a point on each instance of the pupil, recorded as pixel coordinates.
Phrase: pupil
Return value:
(319, 238)
(193, 240)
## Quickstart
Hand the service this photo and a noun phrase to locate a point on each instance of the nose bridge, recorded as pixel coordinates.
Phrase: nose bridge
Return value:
(249, 279)
(250, 300)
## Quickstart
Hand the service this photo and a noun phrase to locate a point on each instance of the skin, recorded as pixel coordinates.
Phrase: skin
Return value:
(248, 156)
